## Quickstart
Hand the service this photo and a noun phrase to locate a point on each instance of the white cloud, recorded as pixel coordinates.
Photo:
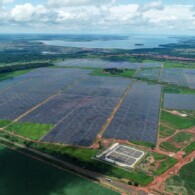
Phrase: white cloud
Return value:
(28, 12)
(87, 16)
(75, 3)
(155, 5)
(6, 1)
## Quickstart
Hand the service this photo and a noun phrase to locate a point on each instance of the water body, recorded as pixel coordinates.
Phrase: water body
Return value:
(145, 41)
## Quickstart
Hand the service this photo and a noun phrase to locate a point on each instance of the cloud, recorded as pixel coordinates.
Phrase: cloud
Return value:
(6, 1)
(156, 5)
(98, 17)
(76, 3)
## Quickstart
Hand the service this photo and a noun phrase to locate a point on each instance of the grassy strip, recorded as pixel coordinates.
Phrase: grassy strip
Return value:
(146, 144)
(125, 73)
(165, 131)
(175, 121)
(4, 123)
(189, 148)
(178, 65)
(10, 75)
(169, 147)
(32, 131)
(182, 136)
(177, 90)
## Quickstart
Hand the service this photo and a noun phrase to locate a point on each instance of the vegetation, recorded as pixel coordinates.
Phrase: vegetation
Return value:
(146, 144)
(168, 64)
(189, 148)
(84, 158)
(30, 176)
(175, 121)
(169, 146)
(165, 164)
(4, 123)
(113, 72)
(166, 131)
(156, 164)
(186, 175)
(10, 75)
(178, 90)
(182, 136)
(32, 131)
(6, 69)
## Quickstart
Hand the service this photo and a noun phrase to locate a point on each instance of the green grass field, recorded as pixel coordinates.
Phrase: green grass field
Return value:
(190, 148)
(9, 75)
(32, 131)
(175, 121)
(101, 72)
(177, 90)
(4, 123)
(178, 65)
(182, 136)
(21, 175)
(169, 147)
(165, 131)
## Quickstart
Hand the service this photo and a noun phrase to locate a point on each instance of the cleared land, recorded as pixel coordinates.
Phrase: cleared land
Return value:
(137, 118)
(23, 175)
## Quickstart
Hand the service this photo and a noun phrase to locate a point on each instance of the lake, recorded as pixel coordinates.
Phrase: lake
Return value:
(145, 41)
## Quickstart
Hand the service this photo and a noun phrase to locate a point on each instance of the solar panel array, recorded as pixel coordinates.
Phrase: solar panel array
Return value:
(152, 65)
(150, 73)
(190, 76)
(174, 76)
(179, 101)
(18, 99)
(137, 118)
(99, 63)
(82, 118)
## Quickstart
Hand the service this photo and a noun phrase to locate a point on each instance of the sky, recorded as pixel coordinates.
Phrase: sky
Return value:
(98, 16)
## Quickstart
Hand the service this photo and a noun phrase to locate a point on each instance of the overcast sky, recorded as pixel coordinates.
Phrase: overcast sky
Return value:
(97, 16)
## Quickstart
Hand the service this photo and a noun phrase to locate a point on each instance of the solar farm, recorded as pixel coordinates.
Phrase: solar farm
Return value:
(82, 108)
(121, 155)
